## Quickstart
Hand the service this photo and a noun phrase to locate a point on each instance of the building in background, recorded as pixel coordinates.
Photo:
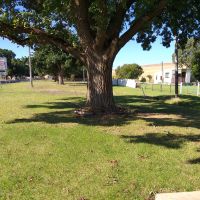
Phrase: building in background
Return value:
(165, 73)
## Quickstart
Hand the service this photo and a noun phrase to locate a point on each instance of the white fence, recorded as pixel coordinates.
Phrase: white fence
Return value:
(185, 89)
(125, 82)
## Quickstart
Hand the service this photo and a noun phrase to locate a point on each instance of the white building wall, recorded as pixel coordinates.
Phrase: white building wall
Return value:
(157, 77)
(188, 76)
(167, 76)
(125, 82)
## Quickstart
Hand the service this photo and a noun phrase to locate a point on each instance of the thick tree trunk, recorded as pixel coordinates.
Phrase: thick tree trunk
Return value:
(100, 92)
(60, 77)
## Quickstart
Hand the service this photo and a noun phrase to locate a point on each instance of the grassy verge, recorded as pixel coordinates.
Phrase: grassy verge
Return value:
(46, 152)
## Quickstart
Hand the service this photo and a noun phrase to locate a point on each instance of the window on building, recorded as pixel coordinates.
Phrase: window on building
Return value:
(167, 75)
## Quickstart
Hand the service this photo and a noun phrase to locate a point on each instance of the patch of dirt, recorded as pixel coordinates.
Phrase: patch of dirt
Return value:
(159, 116)
(54, 91)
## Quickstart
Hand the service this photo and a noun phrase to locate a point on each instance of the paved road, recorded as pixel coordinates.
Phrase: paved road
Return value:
(179, 196)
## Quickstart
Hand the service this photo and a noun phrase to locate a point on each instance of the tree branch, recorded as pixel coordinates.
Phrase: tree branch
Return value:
(113, 29)
(139, 23)
(101, 32)
(80, 8)
(116, 21)
(40, 37)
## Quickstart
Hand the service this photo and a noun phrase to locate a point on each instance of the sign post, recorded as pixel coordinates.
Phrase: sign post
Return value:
(3, 67)
(3, 64)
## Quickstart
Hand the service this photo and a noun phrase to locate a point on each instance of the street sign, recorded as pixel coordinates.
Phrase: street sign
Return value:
(3, 64)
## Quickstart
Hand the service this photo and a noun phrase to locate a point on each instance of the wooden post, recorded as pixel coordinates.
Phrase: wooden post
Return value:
(181, 87)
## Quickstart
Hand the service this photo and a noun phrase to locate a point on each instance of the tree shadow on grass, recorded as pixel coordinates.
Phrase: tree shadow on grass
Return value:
(63, 112)
(194, 161)
(172, 141)
(158, 112)
(57, 105)
(154, 110)
(69, 117)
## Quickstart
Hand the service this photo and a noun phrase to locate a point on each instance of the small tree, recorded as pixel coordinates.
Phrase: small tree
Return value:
(143, 80)
(149, 77)
(129, 71)
(196, 65)
(53, 61)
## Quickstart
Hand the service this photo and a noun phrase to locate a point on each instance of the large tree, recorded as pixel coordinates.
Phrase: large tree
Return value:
(95, 30)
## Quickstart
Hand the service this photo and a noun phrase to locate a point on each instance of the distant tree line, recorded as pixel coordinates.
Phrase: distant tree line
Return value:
(46, 60)
(16, 67)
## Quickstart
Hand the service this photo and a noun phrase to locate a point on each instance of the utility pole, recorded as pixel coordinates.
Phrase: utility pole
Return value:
(176, 68)
(30, 68)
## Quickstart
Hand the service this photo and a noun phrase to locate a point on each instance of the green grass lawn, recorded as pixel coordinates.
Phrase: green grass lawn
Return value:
(46, 152)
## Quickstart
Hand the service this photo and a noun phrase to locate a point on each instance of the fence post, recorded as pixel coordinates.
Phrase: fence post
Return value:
(170, 88)
(181, 88)
(161, 87)
(198, 86)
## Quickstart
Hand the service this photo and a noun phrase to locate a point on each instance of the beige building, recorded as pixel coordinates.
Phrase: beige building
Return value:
(165, 73)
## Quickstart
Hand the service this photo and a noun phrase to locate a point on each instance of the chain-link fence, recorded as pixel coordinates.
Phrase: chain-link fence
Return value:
(184, 89)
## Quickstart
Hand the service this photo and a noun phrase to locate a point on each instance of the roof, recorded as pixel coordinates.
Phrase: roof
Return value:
(159, 65)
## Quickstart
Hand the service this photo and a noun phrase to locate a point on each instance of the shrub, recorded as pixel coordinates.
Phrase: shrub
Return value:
(143, 79)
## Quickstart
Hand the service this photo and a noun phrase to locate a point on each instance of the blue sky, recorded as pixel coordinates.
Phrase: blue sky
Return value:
(130, 53)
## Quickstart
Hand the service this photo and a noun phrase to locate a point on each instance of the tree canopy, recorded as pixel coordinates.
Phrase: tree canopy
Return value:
(95, 30)
(185, 54)
(129, 71)
(196, 65)
(97, 22)
(189, 56)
